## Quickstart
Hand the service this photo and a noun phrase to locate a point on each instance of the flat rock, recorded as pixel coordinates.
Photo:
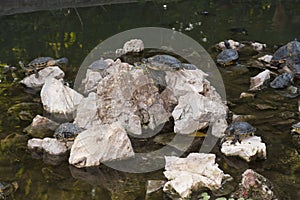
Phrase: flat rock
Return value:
(41, 127)
(86, 115)
(259, 81)
(99, 144)
(193, 173)
(59, 99)
(37, 83)
(249, 148)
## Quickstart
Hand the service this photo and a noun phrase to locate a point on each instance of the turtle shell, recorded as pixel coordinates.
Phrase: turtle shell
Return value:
(40, 62)
(227, 56)
(289, 51)
(163, 63)
(240, 128)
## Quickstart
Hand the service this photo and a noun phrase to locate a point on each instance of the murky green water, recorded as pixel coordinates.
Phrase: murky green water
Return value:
(74, 33)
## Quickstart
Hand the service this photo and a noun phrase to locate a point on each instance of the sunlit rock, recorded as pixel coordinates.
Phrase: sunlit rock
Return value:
(99, 144)
(187, 175)
(259, 81)
(41, 127)
(37, 83)
(254, 186)
(86, 115)
(59, 99)
(233, 44)
(90, 82)
(131, 46)
(50, 145)
(266, 58)
(35, 144)
(258, 46)
(248, 149)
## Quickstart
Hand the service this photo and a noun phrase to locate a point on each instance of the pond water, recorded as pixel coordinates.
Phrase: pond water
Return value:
(73, 33)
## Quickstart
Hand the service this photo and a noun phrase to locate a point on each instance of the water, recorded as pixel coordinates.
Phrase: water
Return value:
(73, 33)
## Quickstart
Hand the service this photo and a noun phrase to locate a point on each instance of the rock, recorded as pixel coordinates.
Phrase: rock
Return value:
(130, 97)
(35, 144)
(37, 83)
(233, 45)
(154, 186)
(266, 58)
(90, 82)
(254, 186)
(258, 46)
(99, 144)
(193, 110)
(246, 95)
(59, 99)
(187, 175)
(53, 147)
(133, 46)
(249, 148)
(49, 145)
(282, 81)
(86, 115)
(219, 128)
(41, 127)
(259, 81)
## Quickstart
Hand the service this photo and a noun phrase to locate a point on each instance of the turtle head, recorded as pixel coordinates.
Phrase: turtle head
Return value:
(62, 61)
(227, 44)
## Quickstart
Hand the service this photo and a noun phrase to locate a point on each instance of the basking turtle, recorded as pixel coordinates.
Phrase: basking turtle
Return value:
(238, 131)
(98, 65)
(163, 63)
(282, 81)
(7, 189)
(289, 52)
(228, 55)
(67, 132)
(296, 128)
(41, 63)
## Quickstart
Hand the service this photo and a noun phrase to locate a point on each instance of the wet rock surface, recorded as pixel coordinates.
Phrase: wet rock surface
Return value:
(259, 81)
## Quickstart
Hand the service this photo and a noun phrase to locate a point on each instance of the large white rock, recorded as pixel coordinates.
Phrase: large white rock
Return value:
(248, 148)
(193, 110)
(37, 83)
(86, 115)
(259, 81)
(58, 98)
(99, 144)
(90, 82)
(186, 175)
(134, 45)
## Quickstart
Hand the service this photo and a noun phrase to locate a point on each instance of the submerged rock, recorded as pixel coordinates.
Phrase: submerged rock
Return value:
(248, 149)
(59, 99)
(99, 144)
(41, 127)
(191, 174)
(259, 81)
(37, 83)
(254, 186)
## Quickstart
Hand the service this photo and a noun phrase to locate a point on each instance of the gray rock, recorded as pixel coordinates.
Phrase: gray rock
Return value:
(37, 83)
(259, 81)
(193, 173)
(99, 144)
(41, 127)
(249, 148)
(59, 99)
(86, 115)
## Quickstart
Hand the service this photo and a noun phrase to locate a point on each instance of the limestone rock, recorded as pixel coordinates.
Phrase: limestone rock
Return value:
(86, 115)
(99, 144)
(259, 81)
(53, 147)
(186, 175)
(258, 46)
(37, 83)
(266, 58)
(131, 46)
(59, 99)
(90, 82)
(35, 143)
(248, 148)
(41, 127)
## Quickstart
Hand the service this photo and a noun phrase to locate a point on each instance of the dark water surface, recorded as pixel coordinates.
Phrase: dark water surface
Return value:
(73, 33)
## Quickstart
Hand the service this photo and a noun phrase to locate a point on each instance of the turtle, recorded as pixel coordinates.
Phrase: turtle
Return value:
(296, 128)
(67, 132)
(228, 55)
(289, 52)
(163, 62)
(238, 131)
(282, 81)
(188, 66)
(41, 63)
(98, 65)
(7, 189)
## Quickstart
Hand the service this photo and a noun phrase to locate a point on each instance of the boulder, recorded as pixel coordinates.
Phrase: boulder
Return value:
(259, 81)
(86, 115)
(131, 46)
(59, 99)
(247, 149)
(41, 127)
(37, 83)
(254, 186)
(191, 174)
(99, 144)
